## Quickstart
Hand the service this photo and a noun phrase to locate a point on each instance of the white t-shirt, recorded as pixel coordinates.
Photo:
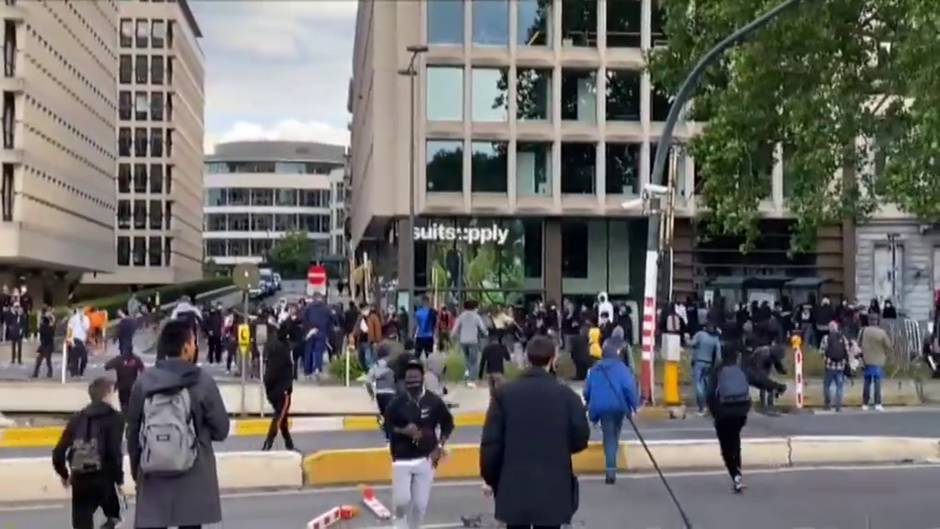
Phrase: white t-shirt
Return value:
(79, 325)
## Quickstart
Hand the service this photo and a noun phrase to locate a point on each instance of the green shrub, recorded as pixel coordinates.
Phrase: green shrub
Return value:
(168, 294)
(337, 368)
(455, 367)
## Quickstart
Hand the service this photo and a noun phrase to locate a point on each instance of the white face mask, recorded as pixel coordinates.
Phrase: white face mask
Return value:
(365, 312)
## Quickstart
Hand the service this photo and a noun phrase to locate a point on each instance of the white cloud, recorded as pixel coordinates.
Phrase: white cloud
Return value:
(287, 130)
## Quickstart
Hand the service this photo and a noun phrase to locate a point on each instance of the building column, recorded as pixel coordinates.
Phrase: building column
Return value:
(405, 253)
(553, 258)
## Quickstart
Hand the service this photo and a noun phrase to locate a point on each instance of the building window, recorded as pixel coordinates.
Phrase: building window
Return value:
(654, 148)
(127, 33)
(623, 23)
(623, 168)
(578, 168)
(169, 70)
(140, 214)
(310, 223)
(124, 105)
(238, 222)
(261, 247)
(238, 197)
(124, 141)
(156, 106)
(124, 178)
(579, 96)
(156, 142)
(490, 94)
(661, 102)
(167, 251)
(574, 249)
(143, 33)
(169, 178)
(490, 22)
(444, 171)
(156, 70)
(286, 197)
(444, 93)
(314, 198)
(156, 215)
(238, 247)
(215, 222)
(9, 119)
(169, 107)
(141, 106)
(658, 23)
(125, 69)
(169, 33)
(579, 23)
(158, 33)
(168, 214)
(285, 222)
(445, 22)
(124, 215)
(215, 248)
(140, 142)
(534, 94)
(216, 197)
(169, 142)
(123, 251)
(534, 169)
(9, 48)
(534, 23)
(140, 69)
(261, 222)
(140, 178)
(262, 197)
(156, 258)
(623, 95)
(488, 166)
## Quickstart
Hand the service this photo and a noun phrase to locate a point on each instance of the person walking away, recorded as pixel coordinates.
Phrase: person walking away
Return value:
(317, 325)
(594, 344)
(579, 348)
(610, 393)
(175, 404)
(380, 381)
(186, 311)
(278, 382)
(78, 326)
(17, 326)
(46, 342)
(88, 459)
(425, 324)
(729, 402)
(127, 367)
(468, 329)
(214, 324)
(533, 426)
(706, 353)
(492, 360)
(435, 367)
(368, 335)
(124, 335)
(619, 344)
(835, 347)
(445, 322)
(418, 425)
(876, 345)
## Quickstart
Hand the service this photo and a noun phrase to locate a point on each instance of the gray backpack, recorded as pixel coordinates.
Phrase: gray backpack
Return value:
(732, 385)
(168, 436)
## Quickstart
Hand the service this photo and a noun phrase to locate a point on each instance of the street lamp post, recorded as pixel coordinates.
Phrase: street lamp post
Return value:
(656, 178)
(412, 73)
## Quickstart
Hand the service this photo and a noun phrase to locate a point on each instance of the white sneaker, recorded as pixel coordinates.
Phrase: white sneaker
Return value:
(864, 407)
(879, 407)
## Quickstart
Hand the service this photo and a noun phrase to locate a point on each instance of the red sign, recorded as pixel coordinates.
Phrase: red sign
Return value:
(316, 275)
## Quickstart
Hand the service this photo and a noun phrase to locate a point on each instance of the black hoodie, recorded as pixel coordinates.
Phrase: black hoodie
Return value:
(278, 368)
(106, 426)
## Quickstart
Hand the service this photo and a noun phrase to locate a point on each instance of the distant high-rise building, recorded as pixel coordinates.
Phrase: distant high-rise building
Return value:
(159, 138)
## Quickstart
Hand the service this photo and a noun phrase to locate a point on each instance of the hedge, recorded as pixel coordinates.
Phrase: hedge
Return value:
(168, 294)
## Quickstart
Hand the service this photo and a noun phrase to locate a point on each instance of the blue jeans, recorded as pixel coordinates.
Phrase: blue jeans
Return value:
(873, 376)
(313, 355)
(610, 426)
(700, 377)
(837, 377)
(471, 353)
(365, 355)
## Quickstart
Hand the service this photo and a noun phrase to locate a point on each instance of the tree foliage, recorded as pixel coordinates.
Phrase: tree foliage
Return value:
(837, 83)
(291, 254)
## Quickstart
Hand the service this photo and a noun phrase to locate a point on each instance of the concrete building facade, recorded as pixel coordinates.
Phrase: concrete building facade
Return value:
(258, 191)
(159, 135)
(58, 152)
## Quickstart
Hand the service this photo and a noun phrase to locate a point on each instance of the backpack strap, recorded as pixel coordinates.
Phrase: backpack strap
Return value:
(614, 389)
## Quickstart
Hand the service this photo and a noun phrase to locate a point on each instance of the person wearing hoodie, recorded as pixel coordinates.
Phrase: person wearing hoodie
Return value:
(127, 366)
(729, 402)
(191, 498)
(88, 458)
(604, 306)
(594, 344)
(125, 333)
(579, 348)
(318, 324)
(468, 329)
(278, 383)
(381, 379)
(492, 360)
(824, 315)
(186, 311)
(706, 353)
(46, 342)
(619, 344)
(610, 393)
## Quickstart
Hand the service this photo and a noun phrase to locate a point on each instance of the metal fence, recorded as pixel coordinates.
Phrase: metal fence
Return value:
(907, 335)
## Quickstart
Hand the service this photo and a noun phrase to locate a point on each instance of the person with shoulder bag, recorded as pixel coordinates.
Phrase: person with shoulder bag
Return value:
(729, 401)
(835, 347)
(610, 393)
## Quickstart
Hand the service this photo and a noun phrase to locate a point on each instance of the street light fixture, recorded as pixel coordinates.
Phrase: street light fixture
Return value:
(412, 73)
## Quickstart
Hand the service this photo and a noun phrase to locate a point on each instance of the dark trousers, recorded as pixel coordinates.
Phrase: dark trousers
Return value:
(231, 348)
(298, 355)
(78, 358)
(43, 356)
(17, 351)
(729, 437)
(281, 405)
(215, 349)
(89, 493)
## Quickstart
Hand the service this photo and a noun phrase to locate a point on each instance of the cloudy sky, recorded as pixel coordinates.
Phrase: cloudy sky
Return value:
(276, 69)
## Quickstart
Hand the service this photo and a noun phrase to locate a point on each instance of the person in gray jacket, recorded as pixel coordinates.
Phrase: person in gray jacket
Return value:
(468, 329)
(192, 499)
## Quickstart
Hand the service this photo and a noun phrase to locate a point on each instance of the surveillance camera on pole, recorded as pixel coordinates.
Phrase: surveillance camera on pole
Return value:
(634, 204)
(656, 189)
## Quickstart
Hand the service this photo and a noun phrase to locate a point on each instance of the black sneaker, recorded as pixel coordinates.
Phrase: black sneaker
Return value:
(610, 479)
(738, 484)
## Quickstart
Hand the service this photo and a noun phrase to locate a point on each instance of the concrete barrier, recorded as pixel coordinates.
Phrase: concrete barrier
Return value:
(894, 392)
(259, 470)
(834, 450)
(705, 453)
(30, 479)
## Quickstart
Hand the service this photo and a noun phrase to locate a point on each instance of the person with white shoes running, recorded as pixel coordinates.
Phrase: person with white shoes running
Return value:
(875, 344)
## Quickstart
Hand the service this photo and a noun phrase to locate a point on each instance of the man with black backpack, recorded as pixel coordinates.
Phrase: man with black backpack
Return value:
(729, 401)
(174, 415)
(835, 347)
(88, 458)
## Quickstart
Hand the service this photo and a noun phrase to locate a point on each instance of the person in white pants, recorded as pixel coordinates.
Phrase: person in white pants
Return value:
(412, 421)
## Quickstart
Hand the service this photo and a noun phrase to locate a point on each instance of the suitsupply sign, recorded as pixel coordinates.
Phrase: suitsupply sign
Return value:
(468, 234)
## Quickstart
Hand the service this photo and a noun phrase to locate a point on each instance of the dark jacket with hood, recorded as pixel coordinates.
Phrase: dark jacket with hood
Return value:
(193, 498)
(278, 368)
(97, 421)
(718, 410)
(125, 334)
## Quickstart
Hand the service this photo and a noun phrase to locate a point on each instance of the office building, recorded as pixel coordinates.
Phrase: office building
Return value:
(258, 191)
(159, 135)
(58, 153)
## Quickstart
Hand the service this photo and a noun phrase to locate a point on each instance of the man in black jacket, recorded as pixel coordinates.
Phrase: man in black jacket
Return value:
(125, 333)
(528, 466)
(730, 411)
(88, 458)
(279, 383)
(127, 366)
(412, 421)
(214, 324)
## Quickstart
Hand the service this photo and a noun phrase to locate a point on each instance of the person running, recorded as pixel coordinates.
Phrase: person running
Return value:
(367, 335)
(279, 383)
(46, 342)
(492, 362)
(412, 421)
(88, 459)
(706, 353)
(468, 329)
(425, 324)
(729, 401)
(380, 380)
(318, 323)
(78, 326)
(610, 393)
(127, 366)
(125, 333)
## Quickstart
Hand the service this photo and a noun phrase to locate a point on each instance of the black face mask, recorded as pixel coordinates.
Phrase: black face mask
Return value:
(414, 389)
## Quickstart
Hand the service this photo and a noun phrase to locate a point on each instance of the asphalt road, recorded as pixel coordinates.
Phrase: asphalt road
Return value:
(923, 422)
(888, 497)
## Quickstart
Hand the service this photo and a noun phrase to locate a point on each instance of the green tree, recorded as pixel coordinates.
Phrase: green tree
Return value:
(291, 254)
(837, 83)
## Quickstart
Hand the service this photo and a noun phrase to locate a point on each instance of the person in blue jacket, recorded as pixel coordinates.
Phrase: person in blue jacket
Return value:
(610, 393)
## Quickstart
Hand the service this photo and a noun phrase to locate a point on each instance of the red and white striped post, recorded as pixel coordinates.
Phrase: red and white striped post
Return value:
(648, 340)
(797, 343)
(333, 516)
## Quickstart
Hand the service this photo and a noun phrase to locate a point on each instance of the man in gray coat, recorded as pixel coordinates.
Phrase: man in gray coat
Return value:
(192, 499)
(468, 329)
